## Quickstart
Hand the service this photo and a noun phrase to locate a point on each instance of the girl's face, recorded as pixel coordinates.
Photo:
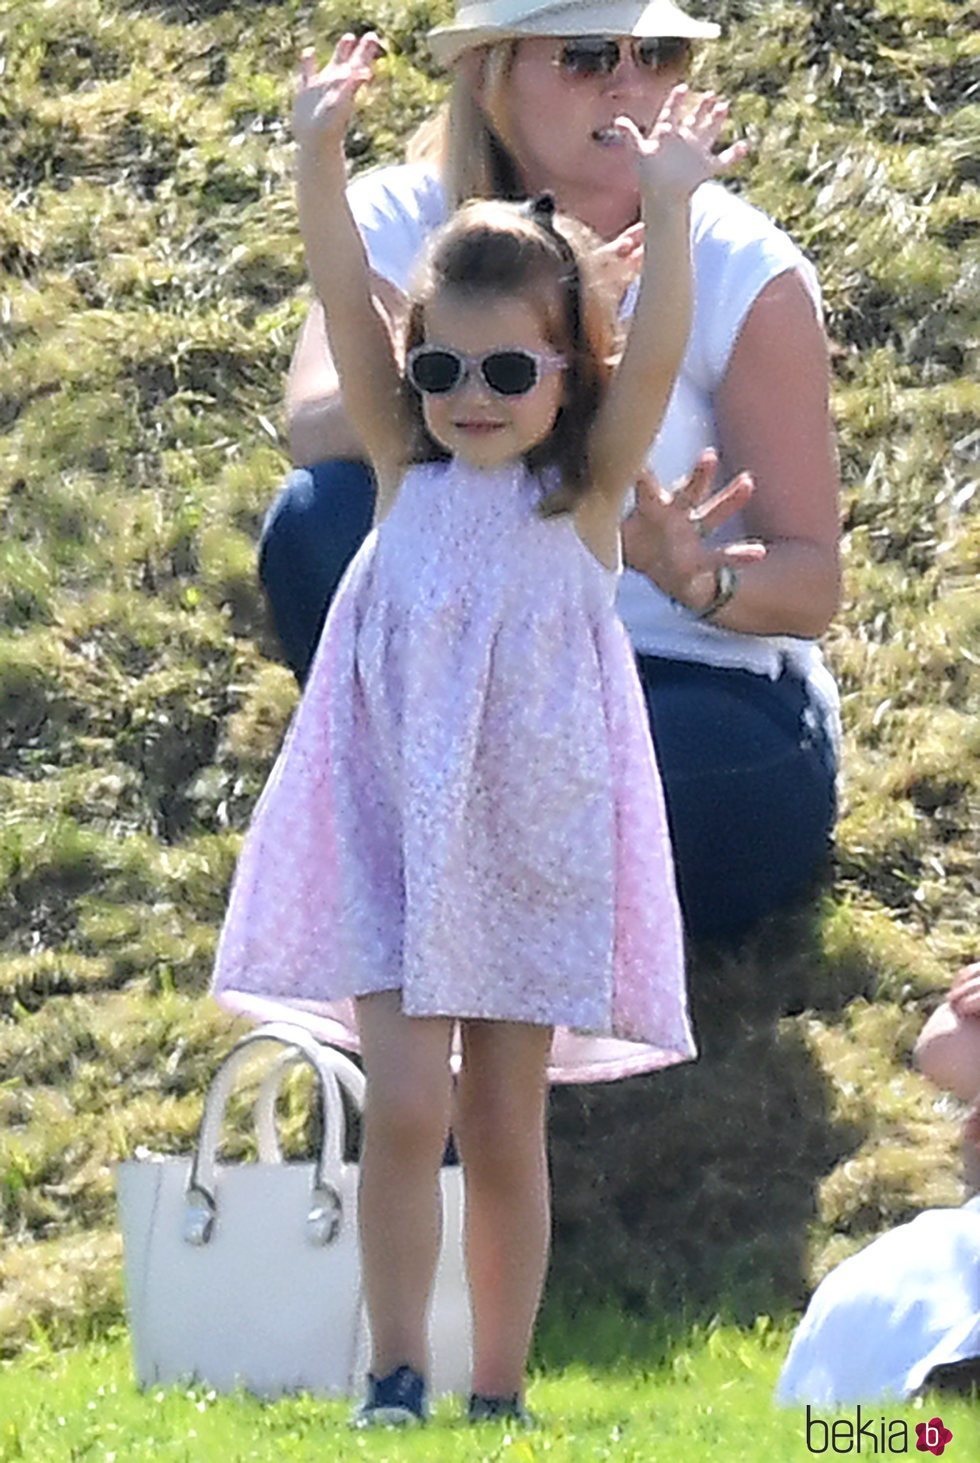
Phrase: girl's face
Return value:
(472, 422)
(558, 123)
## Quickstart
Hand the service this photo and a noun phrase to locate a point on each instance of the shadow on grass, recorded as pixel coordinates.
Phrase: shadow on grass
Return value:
(689, 1194)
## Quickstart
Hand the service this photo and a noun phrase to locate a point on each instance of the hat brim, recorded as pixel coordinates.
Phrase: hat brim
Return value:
(448, 42)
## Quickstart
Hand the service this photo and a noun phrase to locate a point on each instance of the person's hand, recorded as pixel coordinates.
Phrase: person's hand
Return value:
(619, 261)
(325, 99)
(664, 536)
(964, 993)
(677, 156)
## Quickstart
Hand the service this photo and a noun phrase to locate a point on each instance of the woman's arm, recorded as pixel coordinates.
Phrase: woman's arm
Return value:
(316, 418)
(774, 427)
(773, 417)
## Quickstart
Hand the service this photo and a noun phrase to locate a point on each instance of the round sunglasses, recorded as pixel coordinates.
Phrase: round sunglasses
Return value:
(589, 56)
(436, 370)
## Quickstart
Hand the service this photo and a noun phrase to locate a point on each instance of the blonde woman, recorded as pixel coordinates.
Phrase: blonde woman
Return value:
(727, 591)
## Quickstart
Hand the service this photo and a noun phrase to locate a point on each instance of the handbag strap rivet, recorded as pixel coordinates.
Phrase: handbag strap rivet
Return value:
(323, 1220)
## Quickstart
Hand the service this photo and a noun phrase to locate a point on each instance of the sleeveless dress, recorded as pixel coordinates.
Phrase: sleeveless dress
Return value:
(466, 806)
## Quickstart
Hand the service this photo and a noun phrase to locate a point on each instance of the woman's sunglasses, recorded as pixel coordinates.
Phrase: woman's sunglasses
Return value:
(587, 56)
(437, 370)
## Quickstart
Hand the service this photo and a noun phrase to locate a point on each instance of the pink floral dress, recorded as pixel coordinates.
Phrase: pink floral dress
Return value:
(466, 806)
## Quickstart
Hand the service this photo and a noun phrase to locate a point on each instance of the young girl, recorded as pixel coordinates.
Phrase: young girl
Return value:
(465, 824)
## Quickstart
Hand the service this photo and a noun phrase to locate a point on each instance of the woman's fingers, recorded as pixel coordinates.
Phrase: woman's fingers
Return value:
(693, 489)
(751, 551)
(722, 505)
(650, 496)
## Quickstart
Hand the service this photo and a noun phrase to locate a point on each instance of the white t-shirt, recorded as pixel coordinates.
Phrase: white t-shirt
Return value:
(887, 1316)
(736, 250)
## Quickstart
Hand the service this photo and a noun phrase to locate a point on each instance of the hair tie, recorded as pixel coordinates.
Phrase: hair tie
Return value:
(541, 209)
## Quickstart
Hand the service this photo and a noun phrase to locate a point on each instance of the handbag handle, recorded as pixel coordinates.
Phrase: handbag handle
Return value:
(264, 1112)
(329, 1068)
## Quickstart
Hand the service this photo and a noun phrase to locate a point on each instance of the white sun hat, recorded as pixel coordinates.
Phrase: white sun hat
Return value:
(485, 21)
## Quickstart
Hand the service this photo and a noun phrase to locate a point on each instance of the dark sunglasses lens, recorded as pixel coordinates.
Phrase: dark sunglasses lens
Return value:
(435, 372)
(511, 373)
(589, 57)
(664, 51)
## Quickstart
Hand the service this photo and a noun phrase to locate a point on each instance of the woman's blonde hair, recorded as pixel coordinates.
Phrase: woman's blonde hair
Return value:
(493, 248)
(468, 143)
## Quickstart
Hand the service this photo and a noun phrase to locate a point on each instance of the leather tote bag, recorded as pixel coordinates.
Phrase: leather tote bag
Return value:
(249, 1274)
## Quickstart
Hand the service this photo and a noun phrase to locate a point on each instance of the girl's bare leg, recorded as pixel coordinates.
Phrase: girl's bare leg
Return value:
(499, 1123)
(406, 1119)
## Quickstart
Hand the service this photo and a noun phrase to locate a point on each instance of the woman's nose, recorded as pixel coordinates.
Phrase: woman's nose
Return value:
(627, 72)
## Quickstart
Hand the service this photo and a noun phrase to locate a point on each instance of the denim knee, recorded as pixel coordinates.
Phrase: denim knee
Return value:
(311, 532)
(748, 774)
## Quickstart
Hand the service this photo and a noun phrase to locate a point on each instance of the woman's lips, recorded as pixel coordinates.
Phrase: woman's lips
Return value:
(478, 428)
(608, 137)
(611, 136)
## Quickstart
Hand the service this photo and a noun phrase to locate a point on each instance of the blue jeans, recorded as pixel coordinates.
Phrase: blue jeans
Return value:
(748, 765)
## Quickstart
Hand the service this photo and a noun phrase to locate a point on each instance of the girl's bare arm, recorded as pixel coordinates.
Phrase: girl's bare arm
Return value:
(359, 332)
(671, 163)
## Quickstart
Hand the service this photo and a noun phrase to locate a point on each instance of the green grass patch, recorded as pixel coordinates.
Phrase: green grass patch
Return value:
(151, 289)
(633, 1397)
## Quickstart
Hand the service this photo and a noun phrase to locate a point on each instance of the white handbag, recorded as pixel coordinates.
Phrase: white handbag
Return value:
(249, 1274)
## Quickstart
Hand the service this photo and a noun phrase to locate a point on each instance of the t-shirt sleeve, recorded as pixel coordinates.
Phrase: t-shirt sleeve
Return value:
(737, 251)
(395, 209)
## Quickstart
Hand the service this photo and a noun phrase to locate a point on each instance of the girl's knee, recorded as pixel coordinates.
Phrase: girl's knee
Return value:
(500, 1136)
(410, 1117)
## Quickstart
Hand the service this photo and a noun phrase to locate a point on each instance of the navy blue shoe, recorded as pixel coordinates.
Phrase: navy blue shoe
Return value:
(499, 1409)
(397, 1400)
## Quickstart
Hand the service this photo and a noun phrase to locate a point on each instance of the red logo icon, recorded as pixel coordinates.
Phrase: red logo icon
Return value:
(933, 1436)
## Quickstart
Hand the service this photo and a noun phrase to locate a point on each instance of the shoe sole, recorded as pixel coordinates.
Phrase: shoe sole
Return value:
(388, 1417)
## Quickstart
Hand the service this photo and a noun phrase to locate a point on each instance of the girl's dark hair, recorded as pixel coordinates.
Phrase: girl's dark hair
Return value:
(491, 249)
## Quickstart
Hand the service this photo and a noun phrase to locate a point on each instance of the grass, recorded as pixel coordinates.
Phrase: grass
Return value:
(151, 289)
(633, 1400)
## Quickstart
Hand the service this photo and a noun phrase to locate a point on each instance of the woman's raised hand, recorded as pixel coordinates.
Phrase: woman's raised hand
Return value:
(325, 99)
(677, 156)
